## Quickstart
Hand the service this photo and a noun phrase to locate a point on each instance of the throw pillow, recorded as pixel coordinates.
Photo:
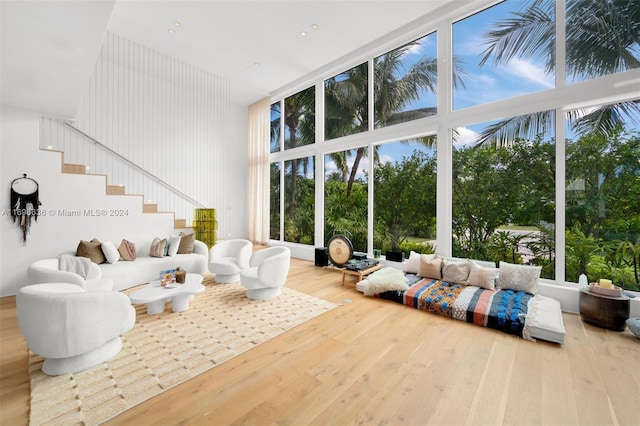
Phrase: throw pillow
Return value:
(110, 252)
(480, 276)
(173, 245)
(91, 249)
(157, 247)
(127, 250)
(413, 263)
(519, 277)
(430, 267)
(386, 279)
(186, 243)
(455, 272)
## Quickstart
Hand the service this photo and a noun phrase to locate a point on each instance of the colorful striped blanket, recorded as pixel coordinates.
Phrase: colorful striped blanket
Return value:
(503, 310)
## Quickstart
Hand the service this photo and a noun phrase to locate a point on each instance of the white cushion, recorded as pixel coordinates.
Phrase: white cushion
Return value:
(110, 251)
(544, 320)
(174, 243)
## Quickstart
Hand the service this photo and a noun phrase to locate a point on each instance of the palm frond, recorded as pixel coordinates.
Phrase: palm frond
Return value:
(606, 119)
(528, 34)
(527, 126)
(602, 37)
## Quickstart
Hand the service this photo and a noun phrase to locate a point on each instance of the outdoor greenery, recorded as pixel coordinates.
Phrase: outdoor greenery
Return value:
(495, 186)
(603, 207)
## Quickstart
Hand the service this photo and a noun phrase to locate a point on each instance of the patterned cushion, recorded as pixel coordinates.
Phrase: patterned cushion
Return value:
(519, 277)
(127, 250)
(157, 247)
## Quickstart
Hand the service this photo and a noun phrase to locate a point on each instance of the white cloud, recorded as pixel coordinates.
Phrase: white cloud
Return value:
(469, 47)
(331, 167)
(466, 137)
(529, 71)
(386, 158)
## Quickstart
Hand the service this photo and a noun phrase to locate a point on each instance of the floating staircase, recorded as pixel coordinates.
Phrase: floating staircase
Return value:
(147, 208)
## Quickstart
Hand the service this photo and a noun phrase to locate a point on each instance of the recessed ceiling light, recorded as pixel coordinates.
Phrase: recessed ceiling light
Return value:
(303, 33)
(249, 68)
(172, 31)
(256, 64)
(314, 26)
(49, 147)
(177, 23)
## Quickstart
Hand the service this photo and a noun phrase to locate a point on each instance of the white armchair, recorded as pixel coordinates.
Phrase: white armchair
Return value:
(47, 271)
(227, 258)
(71, 328)
(267, 273)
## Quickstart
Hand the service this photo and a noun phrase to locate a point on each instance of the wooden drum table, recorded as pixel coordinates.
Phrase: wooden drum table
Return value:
(604, 311)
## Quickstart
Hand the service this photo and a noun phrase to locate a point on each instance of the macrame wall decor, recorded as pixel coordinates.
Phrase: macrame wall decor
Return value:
(25, 204)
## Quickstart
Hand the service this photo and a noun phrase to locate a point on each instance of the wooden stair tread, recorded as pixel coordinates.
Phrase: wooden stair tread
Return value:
(115, 190)
(69, 168)
(79, 169)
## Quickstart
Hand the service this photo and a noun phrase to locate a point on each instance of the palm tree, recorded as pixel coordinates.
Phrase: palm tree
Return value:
(601, 38)
(346, 97)
(299, 120)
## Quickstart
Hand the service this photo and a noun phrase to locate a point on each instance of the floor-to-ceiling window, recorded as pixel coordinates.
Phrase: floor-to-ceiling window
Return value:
(345, 197)
(405, 196)
(603, 198)
(501, 161)
(504, 196)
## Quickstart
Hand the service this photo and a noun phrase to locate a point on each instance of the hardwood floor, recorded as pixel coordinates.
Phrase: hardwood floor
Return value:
(372, 361)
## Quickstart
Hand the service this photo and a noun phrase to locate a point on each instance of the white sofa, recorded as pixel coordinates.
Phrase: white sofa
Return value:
(123, 273)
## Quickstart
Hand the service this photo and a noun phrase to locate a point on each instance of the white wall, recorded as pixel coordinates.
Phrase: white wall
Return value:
(54, 233)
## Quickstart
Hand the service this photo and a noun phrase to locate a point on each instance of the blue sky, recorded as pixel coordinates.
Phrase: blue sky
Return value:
(483, 84)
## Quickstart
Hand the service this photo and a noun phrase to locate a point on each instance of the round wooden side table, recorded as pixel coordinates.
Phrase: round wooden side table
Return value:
(604, 311)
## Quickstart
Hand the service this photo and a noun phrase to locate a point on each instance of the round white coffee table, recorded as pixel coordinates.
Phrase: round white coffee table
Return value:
(156, 296)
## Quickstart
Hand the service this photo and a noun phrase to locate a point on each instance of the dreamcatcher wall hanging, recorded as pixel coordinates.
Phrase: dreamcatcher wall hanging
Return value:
(25, 205)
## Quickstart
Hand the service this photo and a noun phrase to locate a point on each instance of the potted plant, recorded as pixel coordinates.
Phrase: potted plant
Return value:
(397, 235)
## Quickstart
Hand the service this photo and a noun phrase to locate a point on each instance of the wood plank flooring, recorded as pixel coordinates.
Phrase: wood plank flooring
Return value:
(372, 361)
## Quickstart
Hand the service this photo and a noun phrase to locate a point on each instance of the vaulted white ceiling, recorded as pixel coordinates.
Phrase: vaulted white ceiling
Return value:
(49, 47)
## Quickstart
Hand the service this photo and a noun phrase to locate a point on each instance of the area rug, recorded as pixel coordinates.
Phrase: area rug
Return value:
(164, 350)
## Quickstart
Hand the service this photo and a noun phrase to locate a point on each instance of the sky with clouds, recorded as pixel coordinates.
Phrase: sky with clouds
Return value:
(483, 84)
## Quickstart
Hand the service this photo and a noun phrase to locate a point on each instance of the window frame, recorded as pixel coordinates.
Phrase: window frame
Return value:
(564, 97)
